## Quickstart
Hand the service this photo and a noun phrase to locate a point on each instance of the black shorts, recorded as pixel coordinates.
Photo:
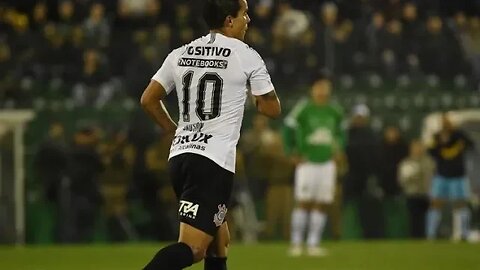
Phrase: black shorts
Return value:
(203, 189)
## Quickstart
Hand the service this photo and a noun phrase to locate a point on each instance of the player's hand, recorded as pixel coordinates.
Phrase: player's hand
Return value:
(170, 130)
(296, 159)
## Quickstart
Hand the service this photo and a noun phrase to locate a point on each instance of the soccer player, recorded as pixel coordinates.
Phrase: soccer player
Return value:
(450, 183)
(212, 76)
(313, 136)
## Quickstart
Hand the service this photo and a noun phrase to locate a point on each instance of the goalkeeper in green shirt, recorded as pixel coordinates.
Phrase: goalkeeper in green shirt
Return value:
(313, 135)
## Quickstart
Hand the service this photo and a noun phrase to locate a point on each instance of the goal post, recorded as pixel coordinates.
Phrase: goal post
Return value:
(13, 122)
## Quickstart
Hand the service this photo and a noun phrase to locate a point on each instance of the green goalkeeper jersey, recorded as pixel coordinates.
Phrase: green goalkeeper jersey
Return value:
(314, 131)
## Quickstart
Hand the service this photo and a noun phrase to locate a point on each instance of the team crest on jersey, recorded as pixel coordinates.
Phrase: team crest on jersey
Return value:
(220, 215)
(188, 209)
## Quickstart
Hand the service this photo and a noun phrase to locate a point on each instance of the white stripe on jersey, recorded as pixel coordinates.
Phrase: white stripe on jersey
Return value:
(211, 75)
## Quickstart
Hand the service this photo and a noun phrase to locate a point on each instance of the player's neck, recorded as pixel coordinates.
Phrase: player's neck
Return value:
(320, 103)
(221, 31)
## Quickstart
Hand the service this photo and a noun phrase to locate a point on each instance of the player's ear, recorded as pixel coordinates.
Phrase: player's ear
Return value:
(229, 22)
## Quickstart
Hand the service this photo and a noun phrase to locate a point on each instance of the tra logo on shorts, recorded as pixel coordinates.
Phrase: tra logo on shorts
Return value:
(188, 209)
(220, 216)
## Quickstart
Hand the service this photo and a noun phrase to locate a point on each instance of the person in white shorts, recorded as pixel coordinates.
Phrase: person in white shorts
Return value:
(313, 136)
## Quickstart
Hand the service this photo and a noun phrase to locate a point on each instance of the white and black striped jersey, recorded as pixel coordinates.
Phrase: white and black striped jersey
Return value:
(211, 76)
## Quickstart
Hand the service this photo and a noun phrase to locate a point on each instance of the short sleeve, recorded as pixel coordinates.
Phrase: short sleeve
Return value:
(291, 120)
(258, 76)
(165, 75)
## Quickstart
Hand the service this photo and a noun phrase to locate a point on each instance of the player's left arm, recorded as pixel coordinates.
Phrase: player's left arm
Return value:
(152, 103)
(289, 130)
(340, 131)
(268, 104)
(469, 144)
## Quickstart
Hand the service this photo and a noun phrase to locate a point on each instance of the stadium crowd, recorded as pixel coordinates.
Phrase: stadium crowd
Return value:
(96, 51)
(83, 44)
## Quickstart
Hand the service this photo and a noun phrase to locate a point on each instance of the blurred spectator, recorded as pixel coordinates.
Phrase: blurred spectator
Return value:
(392, 151)
(54, 53)
(291, 56)
(289, 23)
(411, 23)
(12, 94)
(412, 27)
(279, 199)
(253, 142)
(117, 157)
(185, 35)
(160, 39)
(393, 49)
(22, 39)
(185, 24)
(158, 195)
(51, 161)
(374, 38)
(74, 49)
(139, 13)
(325, 36)
(262, 14)
(143, 180)
(96, 27)
(448, 149)
(242, 222)
(39, 16)
(4, 26)
(81, 198)
(140, 70)
(7, 85)
(152, 49)
(459, 24)
(313, 136)
(5, 61)
(436, 53)
(92, 86)
(415, 174)
(67, 19)
(345, 48)
(361, 187)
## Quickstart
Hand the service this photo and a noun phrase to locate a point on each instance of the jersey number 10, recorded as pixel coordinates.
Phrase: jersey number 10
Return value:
(202, 113)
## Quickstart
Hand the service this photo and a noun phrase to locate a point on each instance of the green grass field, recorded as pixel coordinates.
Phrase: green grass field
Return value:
(343, 256)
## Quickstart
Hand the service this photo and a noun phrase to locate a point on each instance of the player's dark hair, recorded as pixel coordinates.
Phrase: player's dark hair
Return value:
(215, 12)
(321, 76)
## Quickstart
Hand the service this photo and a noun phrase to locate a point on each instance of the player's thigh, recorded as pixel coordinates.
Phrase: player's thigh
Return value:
(459, 190)
(440, 190)
(325, 188)
(304, 183)
(196, 239)
(205, 195)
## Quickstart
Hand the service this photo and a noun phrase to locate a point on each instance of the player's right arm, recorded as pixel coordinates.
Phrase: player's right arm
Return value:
(161, 84)
(268, 104)
(289, 129)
